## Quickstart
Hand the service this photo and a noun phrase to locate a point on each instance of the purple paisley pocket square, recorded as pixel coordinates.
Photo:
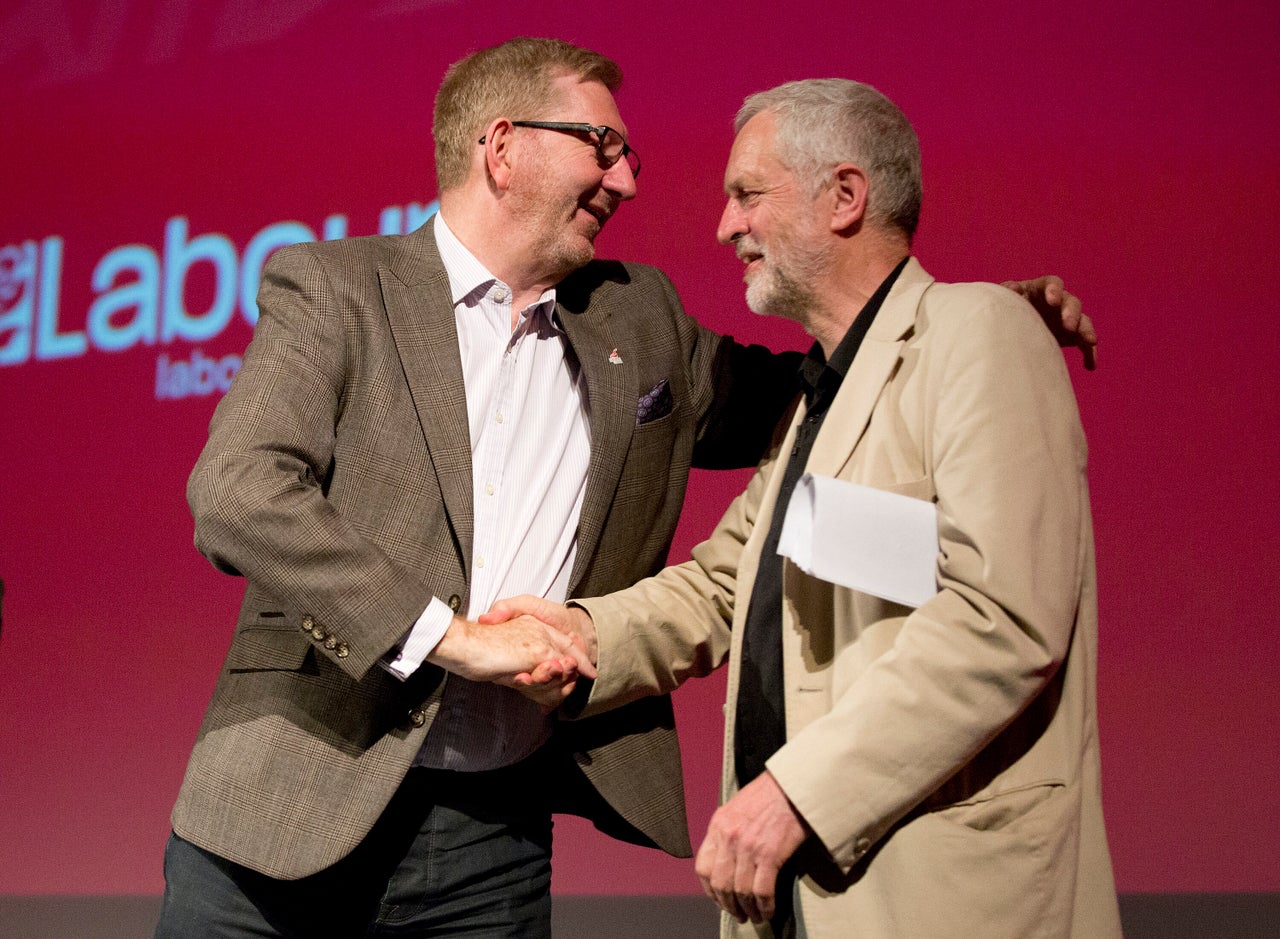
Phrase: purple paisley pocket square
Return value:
(654, 404)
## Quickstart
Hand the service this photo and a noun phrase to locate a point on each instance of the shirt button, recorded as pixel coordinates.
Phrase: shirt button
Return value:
(499, 295)
(488, 489)
(498, 417)
(479, 561)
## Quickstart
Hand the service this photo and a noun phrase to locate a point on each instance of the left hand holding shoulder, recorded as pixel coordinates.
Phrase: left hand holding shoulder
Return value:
(1061, 311)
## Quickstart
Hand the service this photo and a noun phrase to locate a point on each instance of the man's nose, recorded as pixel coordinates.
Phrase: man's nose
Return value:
(620, 180)
(732, 224)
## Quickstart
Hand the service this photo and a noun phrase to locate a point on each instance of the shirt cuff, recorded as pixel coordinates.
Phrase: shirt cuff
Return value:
(420, 640)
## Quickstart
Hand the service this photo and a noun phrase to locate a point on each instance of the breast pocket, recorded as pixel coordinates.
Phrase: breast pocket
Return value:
(921, 488)
(653, 442)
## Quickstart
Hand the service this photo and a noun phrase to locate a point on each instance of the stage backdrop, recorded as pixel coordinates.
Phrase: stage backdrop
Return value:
(154, 152)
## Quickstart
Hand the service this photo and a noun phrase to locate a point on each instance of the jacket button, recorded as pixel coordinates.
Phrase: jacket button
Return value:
(342, 651)
(307, 623)
(331, 643)
(861, 847)
(317, 633)
(417, 717)
(455, 603)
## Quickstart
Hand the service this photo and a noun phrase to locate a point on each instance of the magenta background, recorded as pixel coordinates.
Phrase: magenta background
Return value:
(1131, 148)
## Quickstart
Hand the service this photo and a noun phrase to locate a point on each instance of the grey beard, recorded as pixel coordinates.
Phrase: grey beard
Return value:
(777, 294)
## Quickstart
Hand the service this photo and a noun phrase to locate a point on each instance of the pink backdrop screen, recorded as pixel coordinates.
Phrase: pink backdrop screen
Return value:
(154, 152)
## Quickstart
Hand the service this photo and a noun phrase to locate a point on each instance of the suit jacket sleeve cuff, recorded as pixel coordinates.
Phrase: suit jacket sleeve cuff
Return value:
(420, 640)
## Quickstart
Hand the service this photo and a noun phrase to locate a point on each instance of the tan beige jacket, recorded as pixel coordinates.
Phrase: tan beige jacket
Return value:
(946, 756)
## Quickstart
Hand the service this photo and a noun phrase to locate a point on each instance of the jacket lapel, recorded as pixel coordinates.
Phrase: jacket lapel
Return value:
(872, 367)
(415, 289)
(611, 399)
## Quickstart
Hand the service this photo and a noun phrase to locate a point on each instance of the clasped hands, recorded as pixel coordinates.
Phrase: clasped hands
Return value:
(538, 647)
(750, 836)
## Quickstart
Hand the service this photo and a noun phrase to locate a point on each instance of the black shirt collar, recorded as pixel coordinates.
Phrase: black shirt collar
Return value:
(819, 375)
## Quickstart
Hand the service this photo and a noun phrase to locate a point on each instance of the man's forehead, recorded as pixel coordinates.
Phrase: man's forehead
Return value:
(592, 98)
(752, 158)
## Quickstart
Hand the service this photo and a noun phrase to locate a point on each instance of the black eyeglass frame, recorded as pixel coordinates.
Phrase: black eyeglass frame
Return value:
(599, 131)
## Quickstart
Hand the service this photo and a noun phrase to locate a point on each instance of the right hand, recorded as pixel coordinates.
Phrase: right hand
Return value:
(541, 685)
(570, 620)
(510, 652)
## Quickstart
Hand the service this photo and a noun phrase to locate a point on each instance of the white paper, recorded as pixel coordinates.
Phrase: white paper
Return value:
(878, 542)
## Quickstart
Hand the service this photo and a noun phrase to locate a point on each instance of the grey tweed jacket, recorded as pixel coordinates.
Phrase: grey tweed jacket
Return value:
(337, 482)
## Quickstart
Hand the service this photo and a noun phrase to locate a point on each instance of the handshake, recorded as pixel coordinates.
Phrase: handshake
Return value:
(536, 646)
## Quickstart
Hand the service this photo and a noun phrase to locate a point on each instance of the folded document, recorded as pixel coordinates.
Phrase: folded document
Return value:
(878, 542)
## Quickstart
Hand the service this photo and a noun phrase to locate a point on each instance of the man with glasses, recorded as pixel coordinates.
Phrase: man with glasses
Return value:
(610, 144)
(424, 424)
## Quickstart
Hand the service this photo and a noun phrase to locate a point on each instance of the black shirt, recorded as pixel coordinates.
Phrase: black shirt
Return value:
(761, 718)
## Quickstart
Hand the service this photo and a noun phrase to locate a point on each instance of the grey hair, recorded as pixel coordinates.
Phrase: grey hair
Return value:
(825, 121)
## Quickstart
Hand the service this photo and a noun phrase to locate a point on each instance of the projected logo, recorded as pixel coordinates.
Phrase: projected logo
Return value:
(141, 296)
(25, 326)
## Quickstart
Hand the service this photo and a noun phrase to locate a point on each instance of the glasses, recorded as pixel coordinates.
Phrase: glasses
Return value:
(610, 144)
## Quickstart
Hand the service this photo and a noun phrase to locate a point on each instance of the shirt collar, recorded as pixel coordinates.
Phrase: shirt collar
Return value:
(816, 372)
(469, 279)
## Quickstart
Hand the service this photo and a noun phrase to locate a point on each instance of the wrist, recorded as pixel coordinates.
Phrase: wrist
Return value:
(584, 628)
(447, 652)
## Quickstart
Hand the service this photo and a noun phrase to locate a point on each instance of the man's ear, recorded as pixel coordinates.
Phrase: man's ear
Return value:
(849, 196)
(498, 152)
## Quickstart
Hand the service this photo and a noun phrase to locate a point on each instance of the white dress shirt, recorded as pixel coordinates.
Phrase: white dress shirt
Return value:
(530, 447)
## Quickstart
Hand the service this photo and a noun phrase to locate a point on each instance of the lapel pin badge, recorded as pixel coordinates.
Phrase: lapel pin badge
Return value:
(614, 358)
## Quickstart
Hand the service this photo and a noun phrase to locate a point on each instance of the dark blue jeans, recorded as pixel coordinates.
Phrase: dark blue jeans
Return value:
(454, 854)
